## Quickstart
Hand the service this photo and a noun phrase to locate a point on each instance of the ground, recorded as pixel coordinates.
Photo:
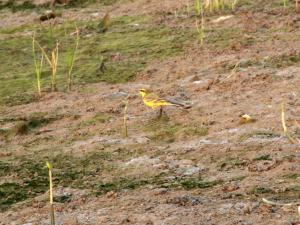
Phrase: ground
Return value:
(203, 165)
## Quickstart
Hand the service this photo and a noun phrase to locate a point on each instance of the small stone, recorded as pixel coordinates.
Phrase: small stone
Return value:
(191, 171)
(111, 194)
(142, 140)
(116, 95)
(70, 220)
(160, 191)
(244, 208)
(225, 208)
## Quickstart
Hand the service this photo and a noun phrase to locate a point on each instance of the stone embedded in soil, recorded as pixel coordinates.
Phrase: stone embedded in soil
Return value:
(142, 161)
(225, 208)
(192, 171)
(116, 95)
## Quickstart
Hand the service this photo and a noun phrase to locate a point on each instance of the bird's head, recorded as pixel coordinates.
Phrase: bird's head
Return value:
(143, 92)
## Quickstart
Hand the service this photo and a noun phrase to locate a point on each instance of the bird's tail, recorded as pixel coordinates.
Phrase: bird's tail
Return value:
(179, 104)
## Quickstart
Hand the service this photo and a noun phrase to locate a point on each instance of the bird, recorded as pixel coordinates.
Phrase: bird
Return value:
(154, 101)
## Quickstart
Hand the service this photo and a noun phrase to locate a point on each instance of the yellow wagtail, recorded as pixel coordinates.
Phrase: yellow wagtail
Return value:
(154, 101)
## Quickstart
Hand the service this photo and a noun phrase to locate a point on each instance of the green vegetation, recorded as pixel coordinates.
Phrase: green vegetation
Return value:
(126, 48)
(292, 176)
(166, 130)
(263, 157)
(31, 176)
(98, 118)
(15, 6)
(260, 190)
(231, 163)
(259, 134)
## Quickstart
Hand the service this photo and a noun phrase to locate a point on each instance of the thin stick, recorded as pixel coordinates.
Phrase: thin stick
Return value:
(38, 68)
(279, 204)
(71, 59)
(52, 217)
(200, 30)
(125, 118)
(233, 71)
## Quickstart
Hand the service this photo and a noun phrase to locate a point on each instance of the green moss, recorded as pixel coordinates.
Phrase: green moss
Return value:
(188, 132)
(98, 118)
(11, 193)
(260, 190)
(162, 129)
(129, 45)
(292, 176)
(231, 163)
(263, 157)
(166, 130)
(121, 184)
(223, 38)
(258, 134)
(196, 183)
(15, 6)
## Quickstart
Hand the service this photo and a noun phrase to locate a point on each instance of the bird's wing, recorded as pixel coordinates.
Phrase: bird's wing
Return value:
(151, 97)
(179, 103)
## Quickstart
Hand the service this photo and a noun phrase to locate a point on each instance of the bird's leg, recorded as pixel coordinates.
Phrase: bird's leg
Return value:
(160, 111)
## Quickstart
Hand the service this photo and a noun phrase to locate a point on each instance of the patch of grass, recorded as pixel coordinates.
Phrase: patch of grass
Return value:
(11, 193)
(98, 118)
(17, 6)
(198, 183)
(258, 134)
(31, 173)
(263, 157)
(292, 176)
(239, 178)
(279, 61)
(159, 180)
(163, 129)
(129, 45)
(223, 38)
(84, 3)
(187, 132)
(231, 163)
(260, 190)
(123, 183)
(34, 122)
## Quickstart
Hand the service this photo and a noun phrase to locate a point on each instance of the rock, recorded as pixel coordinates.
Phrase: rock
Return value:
(225, 208)
(96, 14)
(142, 161)
(116, 95)
(70, 220)
(262, 166)
(230, 187)
(160, 191)
(111, 194)
(191, 171)
(142, 140)
(243, 208)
